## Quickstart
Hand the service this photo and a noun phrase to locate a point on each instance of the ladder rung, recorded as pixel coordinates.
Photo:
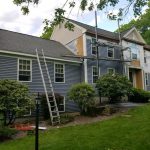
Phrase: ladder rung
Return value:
(55, 111)
(51, 101)
(53, 106)
(56, 117)
(48, 86)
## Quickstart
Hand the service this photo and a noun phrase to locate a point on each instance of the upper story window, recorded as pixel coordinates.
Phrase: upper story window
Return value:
(24, 70)
(134, 51)
(111, 70)
(94, 74)
(146, 78)
(110, 52)
(145, 59)
(59, 73)
(93, 46)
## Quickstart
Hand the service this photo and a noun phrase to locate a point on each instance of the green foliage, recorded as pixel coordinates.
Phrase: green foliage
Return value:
(87, 5)
(113, 86)
(83, 94)
(6, 133)
(14, 99)
(130, 131)
(44, 104)
(47, 30)
(142, 24)
(139, 95)
(66, 118)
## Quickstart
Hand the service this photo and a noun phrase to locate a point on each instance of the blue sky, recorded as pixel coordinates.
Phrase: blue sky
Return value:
(12, 19)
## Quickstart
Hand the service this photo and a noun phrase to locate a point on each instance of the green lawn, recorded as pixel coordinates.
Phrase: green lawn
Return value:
(120, 133)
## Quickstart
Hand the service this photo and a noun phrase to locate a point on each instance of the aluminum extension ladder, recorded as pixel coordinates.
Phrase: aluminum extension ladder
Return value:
(51, 100)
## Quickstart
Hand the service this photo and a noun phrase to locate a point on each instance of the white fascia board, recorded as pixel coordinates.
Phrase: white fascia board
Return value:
(31, 55)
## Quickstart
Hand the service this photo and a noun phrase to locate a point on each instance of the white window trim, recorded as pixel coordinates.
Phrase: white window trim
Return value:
(64, 104)
(63, 72)
(30, 69)
(92, 46)
(111, 68)
(92, 73)
(107, 53)
(30, 112)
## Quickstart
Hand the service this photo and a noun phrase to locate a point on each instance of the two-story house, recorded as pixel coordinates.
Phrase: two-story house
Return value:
(18, 58)
(132, 48)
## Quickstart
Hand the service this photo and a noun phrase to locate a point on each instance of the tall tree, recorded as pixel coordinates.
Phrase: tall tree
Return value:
(142, 24)
(86, 5)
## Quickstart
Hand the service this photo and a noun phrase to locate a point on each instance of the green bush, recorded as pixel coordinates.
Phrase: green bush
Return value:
(95, 110)
(66, 118)
(83, 94)
(139, 96)
(113, 86)
(15, 99)
(6, 133)
(44, 106)
(108, 110)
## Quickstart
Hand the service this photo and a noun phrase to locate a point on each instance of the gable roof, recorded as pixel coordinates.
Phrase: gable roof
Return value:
(101, 32)
(26, 44)
(133, 29)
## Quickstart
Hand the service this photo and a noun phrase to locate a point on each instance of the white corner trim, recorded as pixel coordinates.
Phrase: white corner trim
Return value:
(85, 61)
(31, 55)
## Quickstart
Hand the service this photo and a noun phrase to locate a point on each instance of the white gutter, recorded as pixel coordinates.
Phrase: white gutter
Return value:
(31, 55)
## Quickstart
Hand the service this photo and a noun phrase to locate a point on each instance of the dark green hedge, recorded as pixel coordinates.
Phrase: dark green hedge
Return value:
(139, 96)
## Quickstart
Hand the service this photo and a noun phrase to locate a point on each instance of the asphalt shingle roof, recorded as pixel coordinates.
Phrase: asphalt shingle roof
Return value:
(101, 32)
(22, 43)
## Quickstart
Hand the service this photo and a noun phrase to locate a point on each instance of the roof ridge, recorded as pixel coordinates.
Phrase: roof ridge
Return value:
(91, 26)
(25, 34)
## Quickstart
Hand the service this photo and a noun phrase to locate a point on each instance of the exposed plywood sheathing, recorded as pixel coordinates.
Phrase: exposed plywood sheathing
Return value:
(135, 63)
(79, 46)
(139, 81)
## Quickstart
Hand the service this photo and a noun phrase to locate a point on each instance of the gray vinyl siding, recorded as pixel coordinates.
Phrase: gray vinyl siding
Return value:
(8, 70)
(8, 67)
(104, 64)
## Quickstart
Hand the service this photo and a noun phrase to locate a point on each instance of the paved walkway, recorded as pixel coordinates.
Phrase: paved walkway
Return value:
(127, 105)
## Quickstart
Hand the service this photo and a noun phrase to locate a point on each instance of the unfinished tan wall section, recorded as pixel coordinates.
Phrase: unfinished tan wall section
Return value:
(79, 46)
(135, 63)
(139, 79)
(66, 36)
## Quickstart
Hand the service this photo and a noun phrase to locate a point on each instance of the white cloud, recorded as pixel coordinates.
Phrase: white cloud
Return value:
(11, 17)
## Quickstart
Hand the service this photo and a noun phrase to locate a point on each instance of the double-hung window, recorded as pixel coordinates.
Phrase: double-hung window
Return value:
(110, 52)
(59, 73)
(94, 74)
(134, 52)
(61, 105)
(93, 46)
(24, 70)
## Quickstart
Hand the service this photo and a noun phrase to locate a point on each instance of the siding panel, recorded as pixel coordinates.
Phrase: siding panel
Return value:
(8, 69)
(104, 64)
